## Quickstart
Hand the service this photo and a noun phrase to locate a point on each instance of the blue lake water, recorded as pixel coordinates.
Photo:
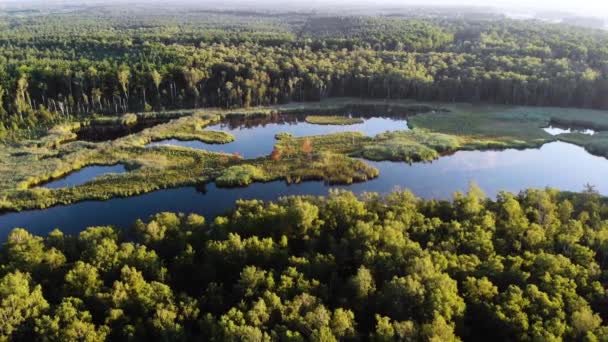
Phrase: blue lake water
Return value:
(557, 164)
(256, 138)
(83, 176)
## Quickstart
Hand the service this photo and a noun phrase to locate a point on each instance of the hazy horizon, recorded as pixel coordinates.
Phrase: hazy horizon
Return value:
(595, 8)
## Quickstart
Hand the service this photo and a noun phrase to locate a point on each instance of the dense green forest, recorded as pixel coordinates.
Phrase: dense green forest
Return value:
(527, 267)
(113, 61)
(518, 267)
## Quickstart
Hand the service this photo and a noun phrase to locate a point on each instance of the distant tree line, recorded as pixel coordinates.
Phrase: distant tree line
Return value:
(58, 66)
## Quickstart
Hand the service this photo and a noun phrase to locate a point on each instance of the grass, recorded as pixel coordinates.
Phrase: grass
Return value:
(283, 135)
(341, 143)
(330, 167)
(444, 128)
(24, 166)
(501, 127)
(342, 105)
(494, 122)
(128, 119)
(240, 175)
(186, 129)
(508, 123)
(59, 134)
(596, 144)
(152, 169)
(409, 146)
(332, 120)
(34, 162)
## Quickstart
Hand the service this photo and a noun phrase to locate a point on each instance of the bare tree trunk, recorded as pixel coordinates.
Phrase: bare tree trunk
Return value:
(144, 93)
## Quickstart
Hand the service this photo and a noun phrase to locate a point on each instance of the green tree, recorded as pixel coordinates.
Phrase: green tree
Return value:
(69, 322)
(20, 303)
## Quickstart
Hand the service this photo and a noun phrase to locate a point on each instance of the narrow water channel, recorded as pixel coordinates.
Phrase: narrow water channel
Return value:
(83, 176)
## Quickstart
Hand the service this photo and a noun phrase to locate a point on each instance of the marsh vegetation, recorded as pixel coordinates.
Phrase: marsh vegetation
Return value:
(243, 146)
(83, 176)
(333, 120)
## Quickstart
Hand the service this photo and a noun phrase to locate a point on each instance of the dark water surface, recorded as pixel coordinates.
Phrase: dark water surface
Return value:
(83, 176)
(557, 164)
(101, 132)
(256, 138)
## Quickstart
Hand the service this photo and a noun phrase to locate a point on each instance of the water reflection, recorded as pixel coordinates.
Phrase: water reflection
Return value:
(83, 176)
(554, 130)
(106, 132)
(557, 164)
(255, 137)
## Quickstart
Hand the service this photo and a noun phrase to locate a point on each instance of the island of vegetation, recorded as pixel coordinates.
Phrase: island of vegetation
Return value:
(332, 120)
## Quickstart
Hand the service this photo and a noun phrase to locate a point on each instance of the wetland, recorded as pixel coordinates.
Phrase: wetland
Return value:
(202, 163)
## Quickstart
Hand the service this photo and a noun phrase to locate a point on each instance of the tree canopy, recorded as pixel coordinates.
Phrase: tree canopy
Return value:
(378, 268)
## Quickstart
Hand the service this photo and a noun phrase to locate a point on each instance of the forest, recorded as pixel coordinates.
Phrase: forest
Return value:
(526, 267)
(159, 94)
(57, 67)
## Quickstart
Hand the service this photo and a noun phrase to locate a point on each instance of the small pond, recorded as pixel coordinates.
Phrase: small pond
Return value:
(83, 176)
(256, 137)
(557, 164)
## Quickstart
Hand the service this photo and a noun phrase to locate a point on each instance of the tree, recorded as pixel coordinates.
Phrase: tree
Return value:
(123, 75)
(384, 330)
(156, 78)
(320, 268)
(343, 324)
(2, 109)
(438, 330)
(83, 280)
(307, 146)
(253, 282)
(276, 154)
(363, 283)
(584, 321)
(20, 303)
(70, 323)
(22, 96)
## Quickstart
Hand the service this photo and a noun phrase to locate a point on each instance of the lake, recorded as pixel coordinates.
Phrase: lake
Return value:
(256, 137)
(556, 164)
(83, 176)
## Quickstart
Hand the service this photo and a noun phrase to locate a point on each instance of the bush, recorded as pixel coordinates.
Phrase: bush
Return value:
(240, 175)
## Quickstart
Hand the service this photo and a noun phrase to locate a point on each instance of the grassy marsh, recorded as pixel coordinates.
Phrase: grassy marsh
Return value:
(443, 128)
(596, 144)
(332, 120)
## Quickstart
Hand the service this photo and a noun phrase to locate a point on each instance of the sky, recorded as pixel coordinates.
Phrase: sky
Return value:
(597, 8)
(590, 7)
(581, 7)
